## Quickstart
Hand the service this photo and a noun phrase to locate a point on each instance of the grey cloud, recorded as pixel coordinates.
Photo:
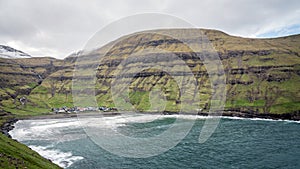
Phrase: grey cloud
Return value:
(243, 17)
(65, 26)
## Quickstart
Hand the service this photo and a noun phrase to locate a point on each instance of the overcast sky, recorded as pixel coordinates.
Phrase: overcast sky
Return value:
(59, 27)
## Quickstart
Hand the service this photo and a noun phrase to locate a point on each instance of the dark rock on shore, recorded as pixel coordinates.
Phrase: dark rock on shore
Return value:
(7, 126)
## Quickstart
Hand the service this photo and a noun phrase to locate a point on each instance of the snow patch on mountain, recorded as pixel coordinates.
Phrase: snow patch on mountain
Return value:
(11, 53)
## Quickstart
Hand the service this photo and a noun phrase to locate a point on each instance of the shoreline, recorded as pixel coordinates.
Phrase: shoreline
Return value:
(9, 124)
(287, 116)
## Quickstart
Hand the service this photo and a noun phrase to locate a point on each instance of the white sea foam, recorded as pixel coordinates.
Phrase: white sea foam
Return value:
(63, 159)
(114, 122)
(260, 119)
(199, 117)
(54, 129)
(144, 118)
(46, 129)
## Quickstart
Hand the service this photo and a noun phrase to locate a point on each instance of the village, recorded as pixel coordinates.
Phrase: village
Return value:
(66, 109)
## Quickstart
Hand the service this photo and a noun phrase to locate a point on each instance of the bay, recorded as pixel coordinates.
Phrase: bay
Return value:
(236, 143)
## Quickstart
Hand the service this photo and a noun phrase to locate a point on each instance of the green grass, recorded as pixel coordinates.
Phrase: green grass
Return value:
(31, 108)
(41, 90)
(244, 103)
(285, 108)
(140, 100)
(16, 155)
(60, 100)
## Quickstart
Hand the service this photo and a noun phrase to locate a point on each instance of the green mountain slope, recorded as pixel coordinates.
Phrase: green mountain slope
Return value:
(17, 155)
(262, 75)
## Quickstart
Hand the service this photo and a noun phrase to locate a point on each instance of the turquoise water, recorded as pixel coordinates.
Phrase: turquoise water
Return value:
(236, 143)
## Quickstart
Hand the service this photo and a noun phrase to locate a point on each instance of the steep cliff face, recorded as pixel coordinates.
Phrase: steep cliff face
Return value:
(262, 75)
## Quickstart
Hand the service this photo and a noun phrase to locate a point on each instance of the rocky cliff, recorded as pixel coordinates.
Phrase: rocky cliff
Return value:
(262, 75)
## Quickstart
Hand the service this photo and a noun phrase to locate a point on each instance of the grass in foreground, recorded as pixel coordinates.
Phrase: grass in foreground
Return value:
(16, 155)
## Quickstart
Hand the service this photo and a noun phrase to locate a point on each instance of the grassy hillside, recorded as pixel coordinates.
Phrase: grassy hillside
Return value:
(262, 74)
(18, 78)
(16, 155)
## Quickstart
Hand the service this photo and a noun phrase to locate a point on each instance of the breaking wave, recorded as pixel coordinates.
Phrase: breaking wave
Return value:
(63, 159)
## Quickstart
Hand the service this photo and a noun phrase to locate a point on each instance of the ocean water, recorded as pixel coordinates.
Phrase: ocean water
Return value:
(236, 143)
